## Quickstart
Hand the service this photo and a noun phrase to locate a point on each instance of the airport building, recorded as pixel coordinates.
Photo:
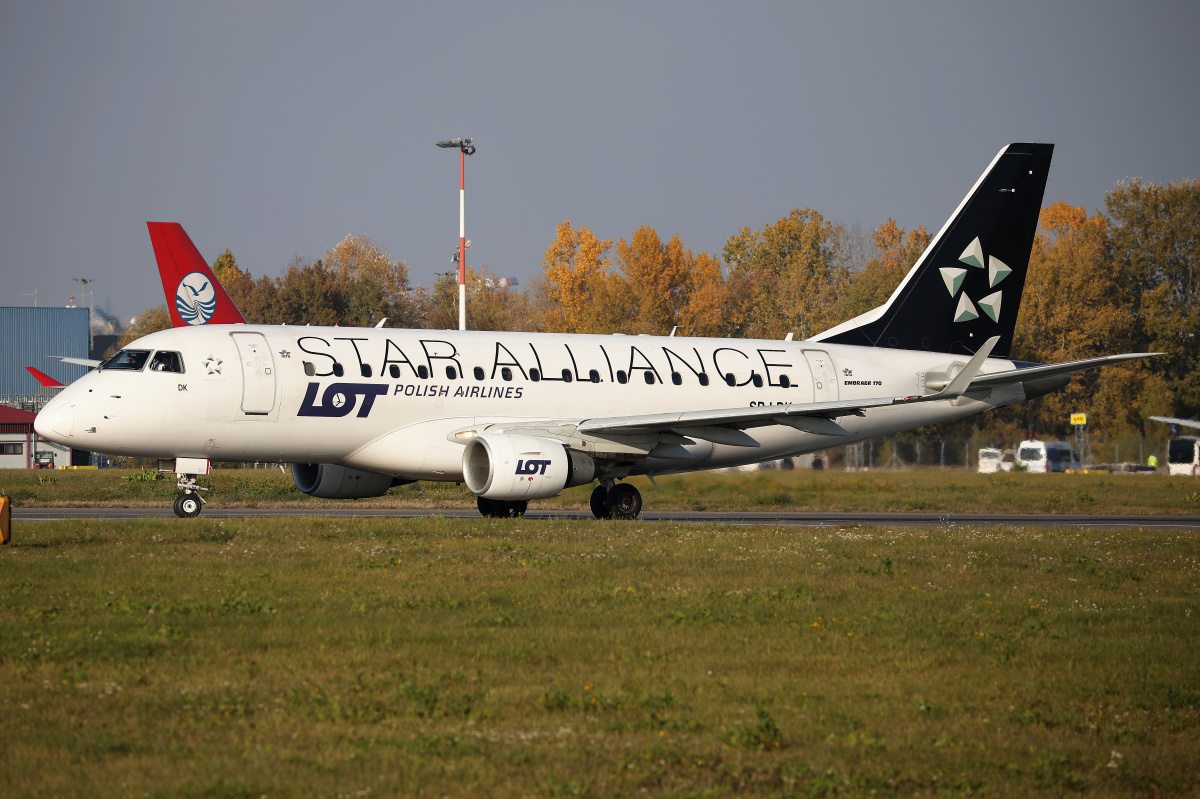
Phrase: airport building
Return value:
(32, 337)
(20, 447)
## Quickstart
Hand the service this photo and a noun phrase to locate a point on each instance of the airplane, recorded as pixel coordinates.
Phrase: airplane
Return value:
(522, 416)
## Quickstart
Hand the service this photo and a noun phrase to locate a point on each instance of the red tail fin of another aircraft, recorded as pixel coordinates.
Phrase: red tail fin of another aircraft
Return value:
(194, 295)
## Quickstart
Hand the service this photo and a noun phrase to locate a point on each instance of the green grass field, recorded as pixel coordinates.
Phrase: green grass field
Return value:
(368, 657)
(929, 490)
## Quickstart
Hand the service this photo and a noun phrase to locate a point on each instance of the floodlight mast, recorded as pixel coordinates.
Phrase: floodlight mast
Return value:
(465, 148)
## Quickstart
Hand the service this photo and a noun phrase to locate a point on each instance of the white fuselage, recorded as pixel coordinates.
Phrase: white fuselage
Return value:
(391, 401)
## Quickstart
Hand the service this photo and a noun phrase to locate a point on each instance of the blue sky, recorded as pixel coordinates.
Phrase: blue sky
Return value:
(275, 129)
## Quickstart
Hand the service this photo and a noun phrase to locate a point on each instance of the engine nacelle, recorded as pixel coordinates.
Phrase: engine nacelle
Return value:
(329, 481)
(514, 467)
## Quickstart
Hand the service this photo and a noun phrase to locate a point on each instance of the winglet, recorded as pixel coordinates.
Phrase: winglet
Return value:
(43, 378)
(194, 295)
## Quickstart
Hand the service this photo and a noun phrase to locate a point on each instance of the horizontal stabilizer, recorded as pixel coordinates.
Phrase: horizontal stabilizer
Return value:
(1050, 370)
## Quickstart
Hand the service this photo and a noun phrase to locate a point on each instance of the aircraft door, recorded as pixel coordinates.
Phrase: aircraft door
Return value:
(258, 373)
(825, 386)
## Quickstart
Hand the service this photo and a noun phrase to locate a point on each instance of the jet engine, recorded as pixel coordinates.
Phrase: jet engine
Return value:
(516, 467)
(329, 481)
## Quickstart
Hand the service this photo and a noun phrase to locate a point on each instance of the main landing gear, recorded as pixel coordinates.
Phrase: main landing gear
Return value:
(501, 509)
(616, 501)
(189, 503)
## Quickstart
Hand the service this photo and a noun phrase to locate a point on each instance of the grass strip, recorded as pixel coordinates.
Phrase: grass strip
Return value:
(514, 658)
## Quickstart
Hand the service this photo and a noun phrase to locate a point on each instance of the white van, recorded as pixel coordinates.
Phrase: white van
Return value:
(1183, 456)
(1040, 457)
(993, 460)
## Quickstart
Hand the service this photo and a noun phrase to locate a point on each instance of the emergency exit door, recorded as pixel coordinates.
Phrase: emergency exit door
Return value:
(825, 386)
(258, 373)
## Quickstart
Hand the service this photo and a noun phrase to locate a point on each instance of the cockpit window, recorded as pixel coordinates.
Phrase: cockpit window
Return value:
(164, 361)
(132, 360)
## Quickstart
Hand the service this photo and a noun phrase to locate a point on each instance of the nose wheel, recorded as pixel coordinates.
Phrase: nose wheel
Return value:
(189, 504)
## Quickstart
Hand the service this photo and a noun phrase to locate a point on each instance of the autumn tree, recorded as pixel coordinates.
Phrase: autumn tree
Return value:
(371, 284)
(311, 294)
(787, 277)
(1077, 304)
(152, 319)
(1155, 233)
(576, 268)
(894, 254)
(489, 306)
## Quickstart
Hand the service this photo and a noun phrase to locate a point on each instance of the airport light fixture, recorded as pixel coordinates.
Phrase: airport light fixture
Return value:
(465, 147)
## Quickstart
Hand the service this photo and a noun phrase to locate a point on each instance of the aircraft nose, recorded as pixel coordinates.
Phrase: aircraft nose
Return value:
(55, 422)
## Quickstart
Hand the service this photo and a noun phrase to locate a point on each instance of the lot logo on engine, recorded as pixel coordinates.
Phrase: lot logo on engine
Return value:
(532, 467)
(339, 399)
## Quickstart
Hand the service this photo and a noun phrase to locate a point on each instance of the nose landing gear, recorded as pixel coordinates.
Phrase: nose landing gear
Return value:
(189, 503)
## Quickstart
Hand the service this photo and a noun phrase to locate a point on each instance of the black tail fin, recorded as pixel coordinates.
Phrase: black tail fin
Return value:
(966, 286)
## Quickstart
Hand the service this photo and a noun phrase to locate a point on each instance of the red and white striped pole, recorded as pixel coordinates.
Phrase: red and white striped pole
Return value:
(465, 147)
(462, 238)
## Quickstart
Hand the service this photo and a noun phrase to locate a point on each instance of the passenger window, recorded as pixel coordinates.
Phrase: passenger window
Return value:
(622, 378)
(311, 370)
(730, 380)
(677, 378)
(478, 372)
(166, 362)
(394, 370)
(757, 380)
(422, 372)
(451, 373)
(784, 381)
(365, 370)
(649, 378)
(535, 375)
(338, 371)
(506, 373)
(594, 375)
(704, 378)
(566, 373)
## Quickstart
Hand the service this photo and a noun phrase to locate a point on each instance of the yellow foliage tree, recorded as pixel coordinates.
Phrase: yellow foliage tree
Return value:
(576, 271)
(786, 277)
(1077, 304)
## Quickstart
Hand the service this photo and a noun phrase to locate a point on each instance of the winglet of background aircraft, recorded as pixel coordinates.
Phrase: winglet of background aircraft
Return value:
(194, 295)
(43, 378)
(1178, 422)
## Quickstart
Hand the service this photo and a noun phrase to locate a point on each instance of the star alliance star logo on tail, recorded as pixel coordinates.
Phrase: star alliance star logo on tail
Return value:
(954, 276)
(195, 299)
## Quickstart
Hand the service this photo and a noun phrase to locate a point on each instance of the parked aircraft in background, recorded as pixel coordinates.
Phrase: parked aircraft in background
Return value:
(521, 416)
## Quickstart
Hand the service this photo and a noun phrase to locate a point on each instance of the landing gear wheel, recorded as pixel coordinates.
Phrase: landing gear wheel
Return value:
(624, 501)
(188, 505)
(487, 507)
(599, 502)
